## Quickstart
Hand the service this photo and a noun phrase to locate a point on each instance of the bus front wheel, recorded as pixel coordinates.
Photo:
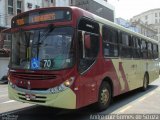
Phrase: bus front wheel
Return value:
(104, 97)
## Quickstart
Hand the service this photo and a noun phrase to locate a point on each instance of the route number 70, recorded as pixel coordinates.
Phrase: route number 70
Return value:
(47, 63)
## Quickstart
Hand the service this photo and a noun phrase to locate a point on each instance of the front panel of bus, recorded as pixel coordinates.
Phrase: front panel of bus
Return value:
(43, 63)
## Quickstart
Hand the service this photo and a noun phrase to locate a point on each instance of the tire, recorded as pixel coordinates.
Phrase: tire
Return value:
(145, 82)
(104, 97)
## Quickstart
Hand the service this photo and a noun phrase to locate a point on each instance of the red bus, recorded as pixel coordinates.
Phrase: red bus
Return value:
(66, 57)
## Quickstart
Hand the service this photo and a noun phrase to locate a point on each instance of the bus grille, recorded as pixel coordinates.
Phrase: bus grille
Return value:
(34, 76)
(38, 99)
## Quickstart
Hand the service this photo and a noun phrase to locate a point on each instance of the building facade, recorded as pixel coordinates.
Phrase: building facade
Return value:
(126, 24)
(3, 15)
(98, 7)
(48, 3)
(139, 27)
(150, 18)
(61, 3)
(145, 29)
(10, 8)
(31, 4)
(14, 7)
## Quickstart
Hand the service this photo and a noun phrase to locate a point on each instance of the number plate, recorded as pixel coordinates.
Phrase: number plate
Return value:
(30, 97)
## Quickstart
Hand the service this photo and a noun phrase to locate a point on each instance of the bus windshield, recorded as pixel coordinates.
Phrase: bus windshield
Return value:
(43, 49)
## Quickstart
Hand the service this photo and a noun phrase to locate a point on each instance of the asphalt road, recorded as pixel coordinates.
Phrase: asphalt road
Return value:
(135, 102)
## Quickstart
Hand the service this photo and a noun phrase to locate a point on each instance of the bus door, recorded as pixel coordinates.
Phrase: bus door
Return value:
(88, 40)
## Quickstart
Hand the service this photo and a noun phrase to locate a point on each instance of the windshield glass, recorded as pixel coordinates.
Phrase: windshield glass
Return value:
(50, 49)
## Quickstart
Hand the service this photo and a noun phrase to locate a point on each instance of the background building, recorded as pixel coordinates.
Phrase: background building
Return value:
(62, 3)
(48, 3)
(139, 27)
(3, 15)
(98, 7)
(31, 4)
(126, 24)
(145, 29)
(10, 8)
(150, 18)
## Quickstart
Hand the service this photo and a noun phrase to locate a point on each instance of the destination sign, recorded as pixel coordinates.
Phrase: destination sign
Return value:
(41, 16)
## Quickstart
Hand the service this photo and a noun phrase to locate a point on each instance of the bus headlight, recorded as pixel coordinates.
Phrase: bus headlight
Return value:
(66, 84)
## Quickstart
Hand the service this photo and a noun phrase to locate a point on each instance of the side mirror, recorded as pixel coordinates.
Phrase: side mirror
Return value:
(87, 41)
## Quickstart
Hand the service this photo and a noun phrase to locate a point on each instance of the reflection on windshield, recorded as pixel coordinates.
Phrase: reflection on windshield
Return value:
(37, 50)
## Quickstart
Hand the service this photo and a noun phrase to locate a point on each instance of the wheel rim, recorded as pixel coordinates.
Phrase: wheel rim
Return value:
(104, 96)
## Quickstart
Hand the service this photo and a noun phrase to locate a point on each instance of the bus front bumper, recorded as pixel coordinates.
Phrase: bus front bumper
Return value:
(65, 99)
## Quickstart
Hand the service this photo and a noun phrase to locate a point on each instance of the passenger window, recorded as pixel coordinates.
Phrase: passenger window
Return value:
(125, 39)
(126, 45)
(155, 51)
(88, 44)
(110, 42)
(150, 54)
(144, 50)
(91, 49)
(136, 47)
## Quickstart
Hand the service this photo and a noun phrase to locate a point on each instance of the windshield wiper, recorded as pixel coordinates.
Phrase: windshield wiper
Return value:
(42, 37)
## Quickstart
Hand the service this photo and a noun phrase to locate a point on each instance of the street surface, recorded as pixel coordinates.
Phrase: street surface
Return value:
(135, 102)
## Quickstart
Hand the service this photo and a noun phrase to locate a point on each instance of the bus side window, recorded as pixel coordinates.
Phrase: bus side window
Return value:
(126, 45)
(87, 51)
(144, 49)
(136, 47)
(155, 51)
(88, 37)
(110, 42)
(150, 53)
